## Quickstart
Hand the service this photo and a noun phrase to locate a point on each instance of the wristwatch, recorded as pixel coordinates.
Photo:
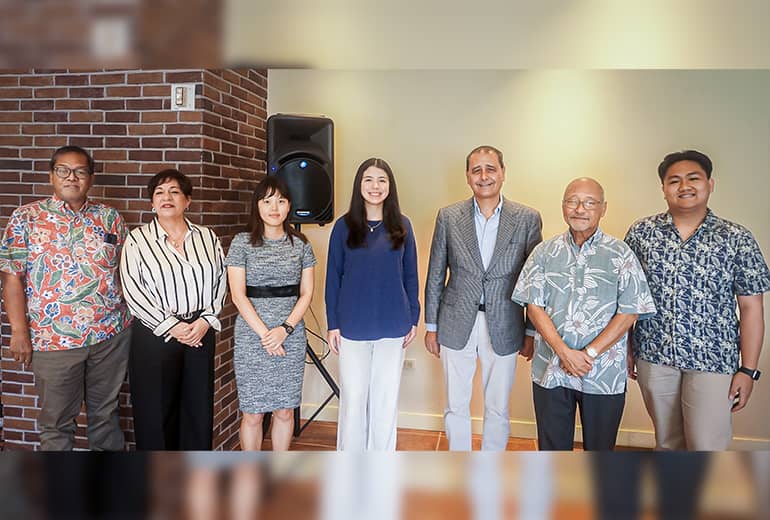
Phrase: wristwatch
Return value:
(753, 374)
(592, 353)
(288, 328)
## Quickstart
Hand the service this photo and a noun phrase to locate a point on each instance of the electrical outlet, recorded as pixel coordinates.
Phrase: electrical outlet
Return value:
(409, 363)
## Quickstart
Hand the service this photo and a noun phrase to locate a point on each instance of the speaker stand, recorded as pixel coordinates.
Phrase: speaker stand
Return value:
(324, 373)
(329, 381)
(267, 419)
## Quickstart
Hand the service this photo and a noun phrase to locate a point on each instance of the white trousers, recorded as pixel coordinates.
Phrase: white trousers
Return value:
(370, 375)
(356, 486)
(497, 374)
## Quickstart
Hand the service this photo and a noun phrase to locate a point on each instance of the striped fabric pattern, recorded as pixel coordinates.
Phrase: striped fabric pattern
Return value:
(161, 285)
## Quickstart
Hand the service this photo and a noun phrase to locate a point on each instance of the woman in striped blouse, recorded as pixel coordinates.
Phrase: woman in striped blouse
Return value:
(174, 282)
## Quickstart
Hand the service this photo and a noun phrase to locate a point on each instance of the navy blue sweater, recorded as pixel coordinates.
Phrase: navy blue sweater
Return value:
(371, 292)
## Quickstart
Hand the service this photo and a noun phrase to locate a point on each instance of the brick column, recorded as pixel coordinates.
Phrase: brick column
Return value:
(123, 117)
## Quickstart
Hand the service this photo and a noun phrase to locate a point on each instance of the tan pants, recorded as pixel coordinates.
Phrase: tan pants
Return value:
(690, 409)
(64, 378)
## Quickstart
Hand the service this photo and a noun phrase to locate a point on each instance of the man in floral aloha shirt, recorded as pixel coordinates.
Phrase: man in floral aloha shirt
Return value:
(59, 265)
(583, 290)
(696, 360)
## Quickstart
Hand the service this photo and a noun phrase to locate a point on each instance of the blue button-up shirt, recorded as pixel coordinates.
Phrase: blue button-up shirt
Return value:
(582, 289)
(486, 232)
(486, 235)
(694, 284)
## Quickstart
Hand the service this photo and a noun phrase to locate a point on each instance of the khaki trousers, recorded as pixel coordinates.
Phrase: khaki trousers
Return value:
(63, 378)
(690, 409)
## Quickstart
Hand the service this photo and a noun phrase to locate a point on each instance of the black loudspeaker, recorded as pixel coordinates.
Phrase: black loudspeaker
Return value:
(300, 149)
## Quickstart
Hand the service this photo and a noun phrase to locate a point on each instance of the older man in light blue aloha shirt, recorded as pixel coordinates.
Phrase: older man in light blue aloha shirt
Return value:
(583, 290)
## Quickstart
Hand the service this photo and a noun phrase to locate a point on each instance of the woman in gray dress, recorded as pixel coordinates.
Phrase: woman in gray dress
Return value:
(270, 271)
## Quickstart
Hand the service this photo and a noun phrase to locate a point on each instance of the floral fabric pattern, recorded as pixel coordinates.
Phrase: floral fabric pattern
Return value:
(581, 290)
(694, 284)
(70, 262)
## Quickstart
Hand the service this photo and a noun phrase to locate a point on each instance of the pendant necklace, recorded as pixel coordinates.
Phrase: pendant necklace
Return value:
(176, 243)
(372, 228)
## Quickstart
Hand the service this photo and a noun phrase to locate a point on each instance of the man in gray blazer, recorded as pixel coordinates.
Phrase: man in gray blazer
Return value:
(483, 241)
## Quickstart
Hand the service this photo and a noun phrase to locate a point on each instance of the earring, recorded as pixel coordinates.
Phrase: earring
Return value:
(154, 210)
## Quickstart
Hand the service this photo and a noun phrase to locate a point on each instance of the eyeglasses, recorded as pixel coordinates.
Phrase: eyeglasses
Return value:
(588, 204)
(64, 172)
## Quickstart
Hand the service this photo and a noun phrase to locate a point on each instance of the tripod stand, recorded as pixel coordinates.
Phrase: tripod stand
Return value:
(335, 391)
(324, 373)
(329, 381)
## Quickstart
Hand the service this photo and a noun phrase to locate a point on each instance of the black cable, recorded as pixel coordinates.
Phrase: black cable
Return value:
(326, 351)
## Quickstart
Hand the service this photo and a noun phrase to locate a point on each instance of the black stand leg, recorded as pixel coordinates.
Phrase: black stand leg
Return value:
(329, 381)
(325, 373)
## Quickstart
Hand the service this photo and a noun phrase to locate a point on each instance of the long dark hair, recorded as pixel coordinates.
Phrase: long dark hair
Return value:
(270, 185)
(355, 218)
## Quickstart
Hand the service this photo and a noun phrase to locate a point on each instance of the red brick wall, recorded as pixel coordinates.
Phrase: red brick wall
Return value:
(124, 119)
(234, 110)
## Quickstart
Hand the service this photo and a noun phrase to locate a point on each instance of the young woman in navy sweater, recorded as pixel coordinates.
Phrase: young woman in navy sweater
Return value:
(371, 307)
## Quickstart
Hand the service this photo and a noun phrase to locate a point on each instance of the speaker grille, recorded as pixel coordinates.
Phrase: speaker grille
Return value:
(310, 187)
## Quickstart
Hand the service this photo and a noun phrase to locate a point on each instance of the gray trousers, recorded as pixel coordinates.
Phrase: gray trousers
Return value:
(64, 378)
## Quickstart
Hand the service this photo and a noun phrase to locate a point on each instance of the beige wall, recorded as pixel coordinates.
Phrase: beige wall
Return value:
(552, 126)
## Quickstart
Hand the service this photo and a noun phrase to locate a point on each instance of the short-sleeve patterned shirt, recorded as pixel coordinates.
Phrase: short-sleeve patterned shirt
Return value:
(70, 263)
(581, 290)
(694, 284)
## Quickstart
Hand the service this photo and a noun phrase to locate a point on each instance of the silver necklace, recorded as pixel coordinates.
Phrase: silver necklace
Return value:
(372, 228)
(177, 243)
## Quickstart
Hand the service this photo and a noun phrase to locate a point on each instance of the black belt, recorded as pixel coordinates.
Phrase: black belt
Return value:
(189, 318)
(272, 292)
(482, 307)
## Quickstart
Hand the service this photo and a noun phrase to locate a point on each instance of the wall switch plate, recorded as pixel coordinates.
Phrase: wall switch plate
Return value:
(183, 96)
(409, 363)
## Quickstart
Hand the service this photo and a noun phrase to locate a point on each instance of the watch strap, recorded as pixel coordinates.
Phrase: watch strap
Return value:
(288, 328)
(753, 374)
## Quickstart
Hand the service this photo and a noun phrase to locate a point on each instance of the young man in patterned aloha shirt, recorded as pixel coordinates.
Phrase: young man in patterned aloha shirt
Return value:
(696, 362)
(59, 265)
(583, 290)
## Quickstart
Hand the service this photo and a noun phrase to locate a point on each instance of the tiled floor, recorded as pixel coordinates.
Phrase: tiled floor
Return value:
(322, 436)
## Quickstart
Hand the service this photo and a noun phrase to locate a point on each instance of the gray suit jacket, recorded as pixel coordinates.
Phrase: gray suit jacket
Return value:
(453, 303)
